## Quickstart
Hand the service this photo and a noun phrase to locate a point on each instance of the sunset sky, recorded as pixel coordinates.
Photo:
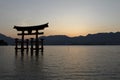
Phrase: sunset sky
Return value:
(65, 17)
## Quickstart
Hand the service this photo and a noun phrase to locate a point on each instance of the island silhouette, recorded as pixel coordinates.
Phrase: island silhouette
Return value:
(111, 38)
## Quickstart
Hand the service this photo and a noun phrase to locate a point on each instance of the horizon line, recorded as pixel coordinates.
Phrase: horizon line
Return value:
(66, 35)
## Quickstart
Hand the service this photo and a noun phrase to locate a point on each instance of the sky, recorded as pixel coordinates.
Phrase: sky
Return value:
(65, 17)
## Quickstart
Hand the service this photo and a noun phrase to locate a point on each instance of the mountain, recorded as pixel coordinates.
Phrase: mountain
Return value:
(98, 39)
(57, 40)
(8, 40)
(2, 42)
(91, 39)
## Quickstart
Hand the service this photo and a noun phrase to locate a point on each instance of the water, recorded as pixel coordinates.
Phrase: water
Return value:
(62, 63)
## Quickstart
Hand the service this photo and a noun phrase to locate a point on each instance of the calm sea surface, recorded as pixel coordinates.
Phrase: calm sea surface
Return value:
(62, 63)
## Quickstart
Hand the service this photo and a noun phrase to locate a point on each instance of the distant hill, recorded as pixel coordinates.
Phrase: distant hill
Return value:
(8, 40)
(57, 40)
(90, 39)
(2, 42)
(98, 39)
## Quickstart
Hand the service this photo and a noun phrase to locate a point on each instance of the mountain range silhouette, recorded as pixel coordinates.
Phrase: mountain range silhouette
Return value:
(111, 38)
(91, 39)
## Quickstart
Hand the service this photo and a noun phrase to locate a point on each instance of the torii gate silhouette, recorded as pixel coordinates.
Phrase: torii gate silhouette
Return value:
(29, 31)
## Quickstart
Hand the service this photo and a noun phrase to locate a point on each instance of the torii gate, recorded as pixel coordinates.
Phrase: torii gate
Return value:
(30, 30)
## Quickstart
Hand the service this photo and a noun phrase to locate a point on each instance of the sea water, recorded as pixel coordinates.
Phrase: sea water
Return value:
(61, 63)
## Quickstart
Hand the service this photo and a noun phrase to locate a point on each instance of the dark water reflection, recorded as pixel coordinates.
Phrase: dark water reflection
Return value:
(62, 63)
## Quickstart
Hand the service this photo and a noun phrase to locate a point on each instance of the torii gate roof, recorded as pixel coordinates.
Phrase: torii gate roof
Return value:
(30, 28)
